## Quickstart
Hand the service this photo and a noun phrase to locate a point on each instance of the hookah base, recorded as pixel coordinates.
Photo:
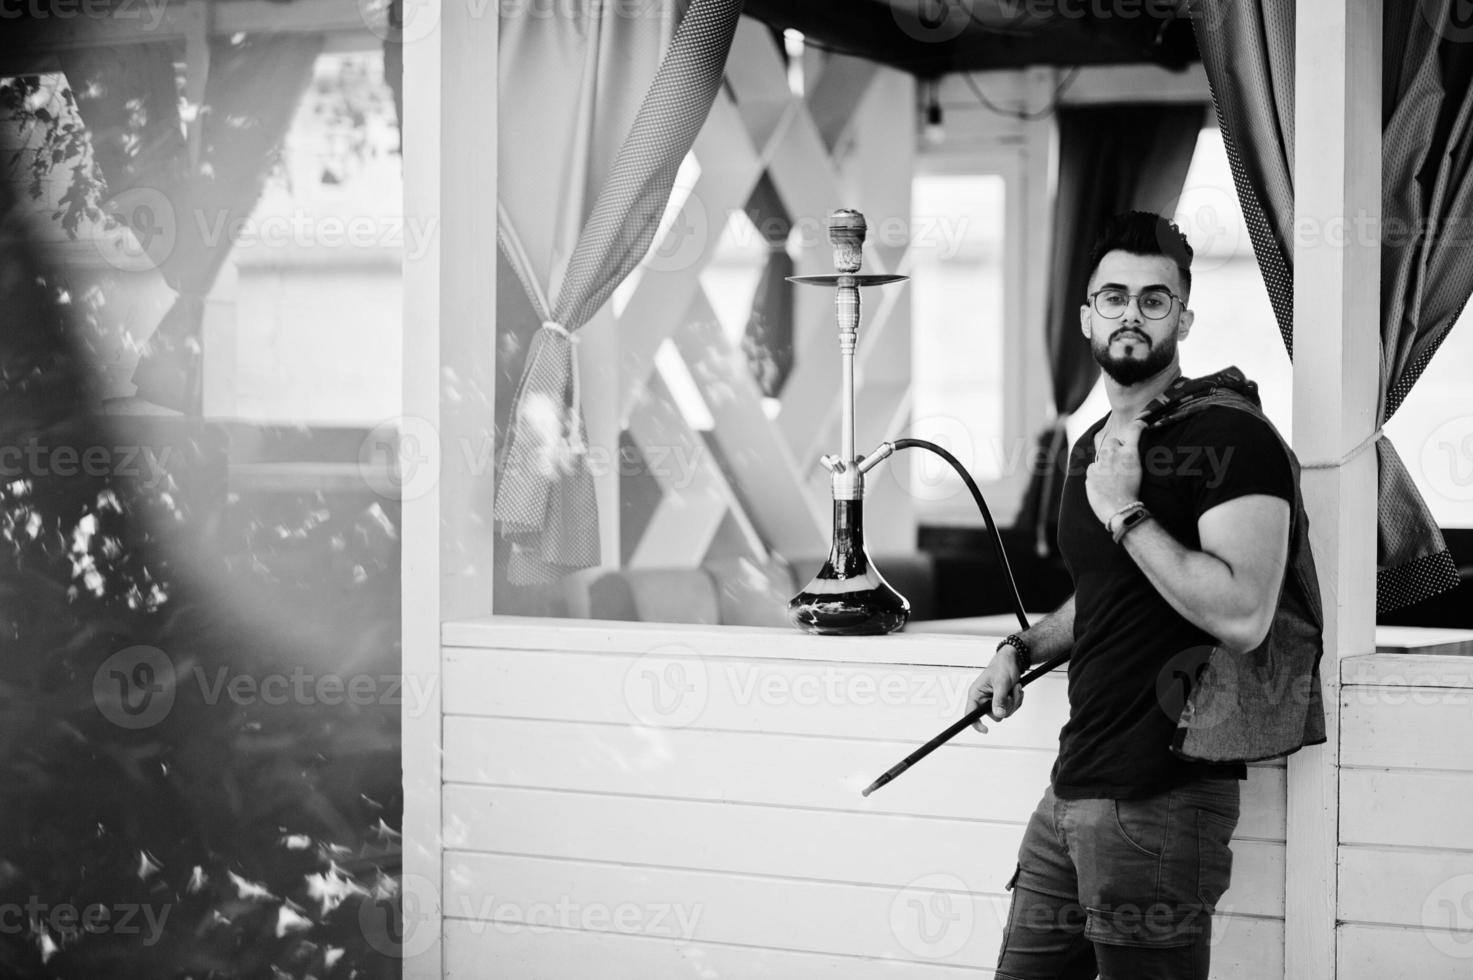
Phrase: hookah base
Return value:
(863, 613)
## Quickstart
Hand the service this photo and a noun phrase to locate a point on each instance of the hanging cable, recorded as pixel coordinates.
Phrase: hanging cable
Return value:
(1024, 114)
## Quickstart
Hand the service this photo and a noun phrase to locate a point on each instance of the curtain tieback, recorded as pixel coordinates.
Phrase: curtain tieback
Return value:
(1360, 447)
(576, 445)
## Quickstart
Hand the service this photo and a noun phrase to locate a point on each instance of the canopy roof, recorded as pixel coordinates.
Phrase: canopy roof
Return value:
(932, 37)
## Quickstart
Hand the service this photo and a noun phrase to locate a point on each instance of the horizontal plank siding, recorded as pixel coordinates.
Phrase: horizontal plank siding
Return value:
(1368, 952)
(961, 781)
(750, 767)
(855, 848)
(474, 951)
(932, 919)
(1407, 727)
(709, 794)
(672, 688)
(1406, 783)
(1404, 886)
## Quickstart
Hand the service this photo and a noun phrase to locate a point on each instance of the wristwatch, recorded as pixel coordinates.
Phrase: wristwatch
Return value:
(1021, 650)
(1129, 518)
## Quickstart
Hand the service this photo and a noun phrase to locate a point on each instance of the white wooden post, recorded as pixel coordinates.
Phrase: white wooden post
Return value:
(450, 118)
(1337, 181)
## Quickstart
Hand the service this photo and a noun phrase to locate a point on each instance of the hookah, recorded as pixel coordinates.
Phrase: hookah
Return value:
(848, 596)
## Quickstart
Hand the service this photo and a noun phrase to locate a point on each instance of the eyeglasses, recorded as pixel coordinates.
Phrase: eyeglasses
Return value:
(1155, 304)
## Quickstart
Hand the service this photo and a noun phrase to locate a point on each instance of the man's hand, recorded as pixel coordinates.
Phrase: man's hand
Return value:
(1114, 478)
(999, 682)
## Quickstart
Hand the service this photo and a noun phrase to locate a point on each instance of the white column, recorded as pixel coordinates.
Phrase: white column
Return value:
(1337, 180)
(450, 119)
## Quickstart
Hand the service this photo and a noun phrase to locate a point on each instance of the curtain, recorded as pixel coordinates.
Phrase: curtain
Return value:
(254, 84)
(1111, 159)
(564, 80)
(768, 338)
(1427, 198)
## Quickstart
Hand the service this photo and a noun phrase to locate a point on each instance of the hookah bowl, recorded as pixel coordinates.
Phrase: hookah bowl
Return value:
(848, 596)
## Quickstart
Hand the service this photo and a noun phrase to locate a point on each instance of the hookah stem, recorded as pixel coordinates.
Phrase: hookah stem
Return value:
(958, 726)
(846, 312)
(1002, 556)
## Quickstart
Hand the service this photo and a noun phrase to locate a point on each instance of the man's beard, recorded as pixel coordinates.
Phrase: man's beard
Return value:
(1133, 370)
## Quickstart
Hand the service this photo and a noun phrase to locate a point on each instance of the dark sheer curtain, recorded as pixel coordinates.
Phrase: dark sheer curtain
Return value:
(1427, 199)
(254, 85)
(768, 338)
(1111, 159)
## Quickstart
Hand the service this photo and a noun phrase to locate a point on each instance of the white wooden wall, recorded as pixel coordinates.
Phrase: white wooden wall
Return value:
(1406, 834)
(572, 800)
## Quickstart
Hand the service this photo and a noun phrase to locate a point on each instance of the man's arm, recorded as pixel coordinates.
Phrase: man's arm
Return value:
(1230, 587)
(1047, 638)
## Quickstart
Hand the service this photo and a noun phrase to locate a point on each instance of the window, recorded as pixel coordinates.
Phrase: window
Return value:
(316, 284)
(957, 292)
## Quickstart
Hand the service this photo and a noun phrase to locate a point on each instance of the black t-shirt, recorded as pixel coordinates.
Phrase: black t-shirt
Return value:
(1117, 741)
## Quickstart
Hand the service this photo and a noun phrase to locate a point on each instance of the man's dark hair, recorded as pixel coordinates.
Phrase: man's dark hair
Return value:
(1144, 233)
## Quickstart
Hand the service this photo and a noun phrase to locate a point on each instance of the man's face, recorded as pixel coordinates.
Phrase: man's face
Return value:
(1133, 347)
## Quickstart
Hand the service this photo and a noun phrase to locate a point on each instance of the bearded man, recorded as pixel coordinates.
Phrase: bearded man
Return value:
(1177, 538)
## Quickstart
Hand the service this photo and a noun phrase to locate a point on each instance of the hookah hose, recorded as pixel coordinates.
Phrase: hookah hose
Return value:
(985, 706)
(961, 471)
